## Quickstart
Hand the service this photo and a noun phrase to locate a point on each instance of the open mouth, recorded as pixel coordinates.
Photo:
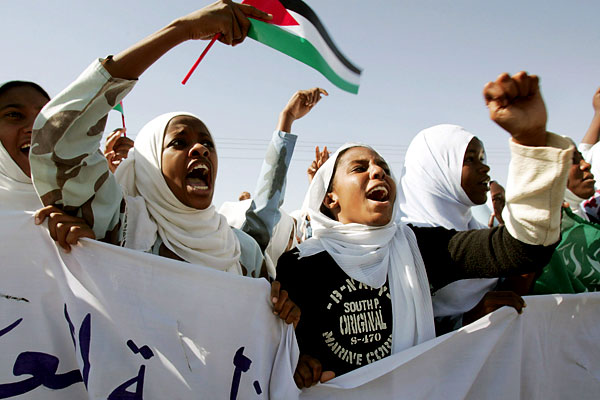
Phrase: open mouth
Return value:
(378, 193)
(485, 183)
(199, 177)
(25, 148)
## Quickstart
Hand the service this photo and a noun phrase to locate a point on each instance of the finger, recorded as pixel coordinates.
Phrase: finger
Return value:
(323, 91)
(275, 288)
(494, 96)
(243, 23)
(298, 380)
(278, 307)
(305, 375)
(508, 86)
(327, 376)
(286, 308)
(491, 221)
(315, 366)
(250, 11)
(317, 153)
(111, 140)
(534, 85)
(77, 232)
(41, 214)
(62, 229)
(522, 81)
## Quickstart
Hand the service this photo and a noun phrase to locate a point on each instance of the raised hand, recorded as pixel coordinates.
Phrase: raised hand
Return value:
(498, 202)
(320, 158)
(225, 17)
(299, 105)
(516, 104)
(117, 148)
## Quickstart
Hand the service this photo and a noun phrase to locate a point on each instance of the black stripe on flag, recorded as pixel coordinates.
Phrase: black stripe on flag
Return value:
(303, 9)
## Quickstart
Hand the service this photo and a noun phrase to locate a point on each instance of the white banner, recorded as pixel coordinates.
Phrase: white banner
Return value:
(130, 325)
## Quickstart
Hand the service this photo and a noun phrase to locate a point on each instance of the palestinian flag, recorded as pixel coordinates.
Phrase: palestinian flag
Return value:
(119, 108)
(296, 30)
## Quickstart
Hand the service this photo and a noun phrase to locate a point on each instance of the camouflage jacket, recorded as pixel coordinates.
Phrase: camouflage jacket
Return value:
(70, 172)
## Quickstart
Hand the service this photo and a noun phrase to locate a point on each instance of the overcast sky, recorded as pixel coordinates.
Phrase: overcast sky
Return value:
(424, 63)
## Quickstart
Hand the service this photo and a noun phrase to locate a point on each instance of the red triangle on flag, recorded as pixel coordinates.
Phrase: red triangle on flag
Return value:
(280, 14)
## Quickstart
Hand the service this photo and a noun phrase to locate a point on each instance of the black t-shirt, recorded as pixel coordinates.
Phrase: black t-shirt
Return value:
(345, 324)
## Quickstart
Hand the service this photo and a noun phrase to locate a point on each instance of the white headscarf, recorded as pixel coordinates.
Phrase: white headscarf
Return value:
(431, 193)
(17, 191)
(235, 212)
(285, 227)
(197, 236)
(372, 255)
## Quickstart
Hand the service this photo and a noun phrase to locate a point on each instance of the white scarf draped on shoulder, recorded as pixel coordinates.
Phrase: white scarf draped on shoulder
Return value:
(372, 255)
(198, 236)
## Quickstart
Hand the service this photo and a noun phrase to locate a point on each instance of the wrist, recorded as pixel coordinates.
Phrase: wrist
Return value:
(533, 138)
(286, 119)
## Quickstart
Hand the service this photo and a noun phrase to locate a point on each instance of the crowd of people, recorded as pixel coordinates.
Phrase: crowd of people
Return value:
(372, 263)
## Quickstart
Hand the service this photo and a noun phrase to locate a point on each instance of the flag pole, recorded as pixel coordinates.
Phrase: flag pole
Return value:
(212, 41)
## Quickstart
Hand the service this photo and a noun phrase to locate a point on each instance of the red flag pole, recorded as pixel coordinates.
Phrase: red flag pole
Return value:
(212, 41)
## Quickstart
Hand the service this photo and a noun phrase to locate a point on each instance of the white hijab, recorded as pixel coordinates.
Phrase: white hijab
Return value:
(285, 227)
(431, 193)
(17, 191)
(372, 255)
(197, 236)
(433, 196)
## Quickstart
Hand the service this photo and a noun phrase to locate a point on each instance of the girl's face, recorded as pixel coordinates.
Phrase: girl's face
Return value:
(580, 180)
(18, 108)
(189, 161)
(363, 190)
(475, 179)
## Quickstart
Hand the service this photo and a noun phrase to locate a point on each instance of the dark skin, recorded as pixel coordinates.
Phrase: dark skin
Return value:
(475, 179)
(117, 148)
(514, 103)
(581, 180)
(19, 106)
(231, 21)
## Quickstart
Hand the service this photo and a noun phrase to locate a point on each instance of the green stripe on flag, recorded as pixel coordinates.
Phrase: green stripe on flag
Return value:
(298, 48)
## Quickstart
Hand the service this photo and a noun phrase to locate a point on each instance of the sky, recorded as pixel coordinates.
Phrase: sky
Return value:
(424, 63)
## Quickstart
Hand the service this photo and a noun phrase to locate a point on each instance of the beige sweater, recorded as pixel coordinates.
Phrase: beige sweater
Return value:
(537, 180)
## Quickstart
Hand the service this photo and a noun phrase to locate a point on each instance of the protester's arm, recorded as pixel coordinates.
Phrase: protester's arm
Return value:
(222, 17)
(68, 169)
(263, 213)
(538, 170)
(592, 135)
(540, 160)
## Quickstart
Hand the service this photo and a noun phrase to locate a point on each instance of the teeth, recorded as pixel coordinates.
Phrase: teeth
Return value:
(380, 187)
(26, 146)
(200, 166)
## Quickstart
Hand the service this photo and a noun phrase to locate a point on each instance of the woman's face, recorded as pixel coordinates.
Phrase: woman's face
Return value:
(18, 108)
(363, 190)
(580, 180)
(189, 161)
(475, 179)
